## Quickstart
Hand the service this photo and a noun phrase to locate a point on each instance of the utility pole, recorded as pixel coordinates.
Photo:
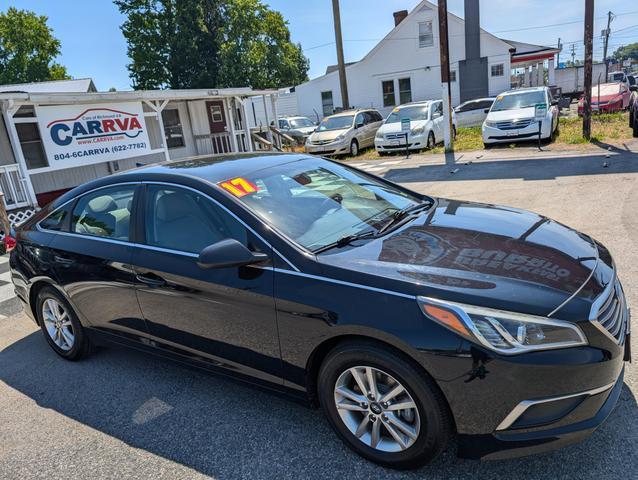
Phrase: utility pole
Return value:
(589, 41)
(445, 76)
(560, 49)
(610, 17)
(345, 102)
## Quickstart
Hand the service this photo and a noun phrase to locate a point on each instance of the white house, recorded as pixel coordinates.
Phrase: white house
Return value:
(405, 65)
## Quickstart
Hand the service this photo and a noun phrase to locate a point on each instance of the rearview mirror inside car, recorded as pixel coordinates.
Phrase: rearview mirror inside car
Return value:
(228, 253)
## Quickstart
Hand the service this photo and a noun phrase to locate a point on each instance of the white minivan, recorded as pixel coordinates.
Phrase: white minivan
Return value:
(512, 117)
(426, 127)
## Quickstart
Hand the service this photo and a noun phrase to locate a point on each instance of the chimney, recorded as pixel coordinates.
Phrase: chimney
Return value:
(399, 16)
(472, 30)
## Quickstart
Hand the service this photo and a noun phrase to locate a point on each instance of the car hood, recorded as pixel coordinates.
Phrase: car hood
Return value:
(303, 130)
(395, 127)
(516, 114)
(327, 134)
(480, 254)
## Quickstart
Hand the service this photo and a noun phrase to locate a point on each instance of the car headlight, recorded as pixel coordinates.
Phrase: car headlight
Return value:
(504, 332)
(378, 135)
(418, 130)
(490, 124)
(340, 138)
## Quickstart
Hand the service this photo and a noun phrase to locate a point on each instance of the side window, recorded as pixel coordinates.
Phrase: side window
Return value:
(485, 104)
(104, 213)
(359, 120)
(376, 116)
(283, 124)
(56, 221)
(467, 107)
(186, 221)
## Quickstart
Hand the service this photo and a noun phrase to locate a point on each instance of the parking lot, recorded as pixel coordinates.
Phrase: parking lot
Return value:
(123, 414)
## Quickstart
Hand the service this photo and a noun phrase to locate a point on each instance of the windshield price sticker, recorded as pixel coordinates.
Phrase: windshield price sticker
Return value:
(405, 124)
(239, 187)
(540, 110)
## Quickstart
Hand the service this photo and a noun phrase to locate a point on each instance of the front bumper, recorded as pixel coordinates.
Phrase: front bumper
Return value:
(415, 142)
(334, 148)
(510, 406)
(496, 135)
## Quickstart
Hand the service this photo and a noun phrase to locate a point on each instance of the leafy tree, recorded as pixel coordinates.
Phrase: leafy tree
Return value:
(27, 48)
(626, 52)
(209, 43)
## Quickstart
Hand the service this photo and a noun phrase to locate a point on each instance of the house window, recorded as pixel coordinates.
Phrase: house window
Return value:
(173, 132)
(387, 88)
(216, 113)
(405, 91)
(31, 144)
(498, 70)
(326, 103)
(426, 35)
(452, 76)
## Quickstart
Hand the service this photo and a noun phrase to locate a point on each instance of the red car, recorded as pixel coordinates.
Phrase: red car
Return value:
(607, 98)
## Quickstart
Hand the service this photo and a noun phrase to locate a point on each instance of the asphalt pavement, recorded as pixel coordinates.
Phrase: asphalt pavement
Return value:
(124, 414)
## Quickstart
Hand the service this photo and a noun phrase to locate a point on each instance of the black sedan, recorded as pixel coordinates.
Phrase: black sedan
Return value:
(407, 319)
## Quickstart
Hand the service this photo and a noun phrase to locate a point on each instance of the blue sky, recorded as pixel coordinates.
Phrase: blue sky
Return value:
(93, 45)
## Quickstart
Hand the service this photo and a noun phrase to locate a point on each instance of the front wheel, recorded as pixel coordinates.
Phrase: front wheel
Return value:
(431, 141)
(354, 148)
(383, 407)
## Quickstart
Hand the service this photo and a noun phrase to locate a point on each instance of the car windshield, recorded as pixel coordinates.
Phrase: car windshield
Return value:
(518, 100)
(336, 123)
(315, 202)
(301, 122)
(413, 113)
(606, 89)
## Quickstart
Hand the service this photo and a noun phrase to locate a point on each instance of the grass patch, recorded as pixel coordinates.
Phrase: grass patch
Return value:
(612, 127)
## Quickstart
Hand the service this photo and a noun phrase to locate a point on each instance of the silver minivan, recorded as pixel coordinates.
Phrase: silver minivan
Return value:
(345, 132)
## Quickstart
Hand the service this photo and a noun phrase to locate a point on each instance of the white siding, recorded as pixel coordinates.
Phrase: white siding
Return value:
(399, 56)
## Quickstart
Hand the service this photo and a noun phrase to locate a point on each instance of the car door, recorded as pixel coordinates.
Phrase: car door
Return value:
(91, 258)
(360, 129)
(223, 316)
(480, 113)
(464, 114)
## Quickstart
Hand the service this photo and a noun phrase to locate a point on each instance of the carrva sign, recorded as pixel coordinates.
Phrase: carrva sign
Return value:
(540, 110)
(75, 135)
(405, 125)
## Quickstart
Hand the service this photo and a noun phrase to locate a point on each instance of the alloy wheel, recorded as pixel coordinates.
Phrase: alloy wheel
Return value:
(58, 324)
(430, 144)
(377, 409)
(354, 148)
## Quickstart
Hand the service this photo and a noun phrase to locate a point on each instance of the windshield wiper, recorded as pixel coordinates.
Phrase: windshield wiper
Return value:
(346, 240)
(400, 215)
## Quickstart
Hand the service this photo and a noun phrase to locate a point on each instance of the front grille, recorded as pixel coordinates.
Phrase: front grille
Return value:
(514, 124)
(395, 136)
(321, 142)
(613, 313)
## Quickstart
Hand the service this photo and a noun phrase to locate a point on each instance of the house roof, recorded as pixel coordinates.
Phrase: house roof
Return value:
(76, 85)
(526, 52)
(334, 68)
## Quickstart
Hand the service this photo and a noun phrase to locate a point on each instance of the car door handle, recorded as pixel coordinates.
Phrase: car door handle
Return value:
(66, 262)
(151, 280)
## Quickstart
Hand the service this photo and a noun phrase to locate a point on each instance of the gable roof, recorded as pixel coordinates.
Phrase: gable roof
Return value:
(79, 85)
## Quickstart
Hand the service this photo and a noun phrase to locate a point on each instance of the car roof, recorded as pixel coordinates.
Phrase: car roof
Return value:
(417, 104)
(524, 90)
(352, 111)
(216, 168)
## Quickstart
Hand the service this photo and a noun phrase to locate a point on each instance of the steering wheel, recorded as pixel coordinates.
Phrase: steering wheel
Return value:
(335, 197)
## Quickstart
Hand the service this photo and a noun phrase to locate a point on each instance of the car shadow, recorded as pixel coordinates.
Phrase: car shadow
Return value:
(545, 168)
(229, 430)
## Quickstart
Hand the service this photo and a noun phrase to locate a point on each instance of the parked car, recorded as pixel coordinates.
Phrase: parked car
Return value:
(426, 127)
(633, 111)
(512, 116)
(617, 77)
(607, 98)
(407, 318)
(473, 112)
(345, 132)
(299, 128)
(632, 80)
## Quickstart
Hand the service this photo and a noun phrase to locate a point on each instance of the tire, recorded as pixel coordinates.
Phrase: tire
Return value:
(431, 141)
(68, 326)
(631, 118)
(635, 132)
(354, 148)
(487, 146)
(454, 132)
(429, 418)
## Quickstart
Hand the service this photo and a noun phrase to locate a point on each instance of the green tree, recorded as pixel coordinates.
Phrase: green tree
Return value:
(626, 52)
(209, 43)
(28, 48)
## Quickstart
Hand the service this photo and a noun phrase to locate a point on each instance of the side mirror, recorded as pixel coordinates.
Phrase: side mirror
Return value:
(358, 125)
(228, 253)
(487, 110)
(634, 88)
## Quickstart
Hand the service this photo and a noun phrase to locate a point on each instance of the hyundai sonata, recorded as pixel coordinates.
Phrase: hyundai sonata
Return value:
(408, 319)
